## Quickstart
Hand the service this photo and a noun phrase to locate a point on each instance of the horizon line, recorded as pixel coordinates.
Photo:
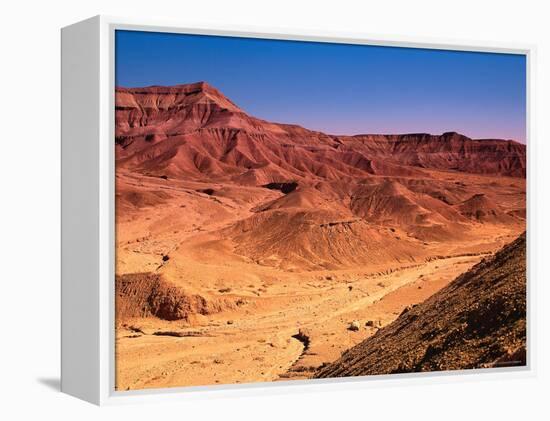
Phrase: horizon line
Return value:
(274, 121)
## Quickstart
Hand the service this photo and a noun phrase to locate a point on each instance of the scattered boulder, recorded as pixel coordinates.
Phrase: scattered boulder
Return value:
(354, 326)
(374, 323)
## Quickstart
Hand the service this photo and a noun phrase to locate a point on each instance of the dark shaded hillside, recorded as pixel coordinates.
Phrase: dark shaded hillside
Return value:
(477, 321)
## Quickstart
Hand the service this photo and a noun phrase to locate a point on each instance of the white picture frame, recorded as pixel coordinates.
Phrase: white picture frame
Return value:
(88, 213)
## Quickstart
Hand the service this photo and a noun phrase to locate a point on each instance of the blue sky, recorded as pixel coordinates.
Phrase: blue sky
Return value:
(336, 88)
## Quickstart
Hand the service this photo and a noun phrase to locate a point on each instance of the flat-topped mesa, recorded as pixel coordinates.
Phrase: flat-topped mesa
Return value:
(424, 138)
(166, 97)
(150, 114)
(448, 151)
(207, 132)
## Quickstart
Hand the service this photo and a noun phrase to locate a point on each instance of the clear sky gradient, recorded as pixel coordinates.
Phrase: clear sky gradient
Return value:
(336, 88)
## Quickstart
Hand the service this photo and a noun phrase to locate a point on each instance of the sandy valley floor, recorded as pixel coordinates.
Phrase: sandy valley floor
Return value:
(266, 320)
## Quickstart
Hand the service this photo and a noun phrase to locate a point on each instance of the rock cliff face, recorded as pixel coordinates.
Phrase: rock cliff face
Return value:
(194, 130)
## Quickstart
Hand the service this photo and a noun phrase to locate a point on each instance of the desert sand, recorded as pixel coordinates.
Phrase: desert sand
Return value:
(454, 329)
(251, 251)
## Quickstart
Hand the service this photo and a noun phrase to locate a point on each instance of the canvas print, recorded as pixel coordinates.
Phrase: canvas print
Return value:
(291, 210)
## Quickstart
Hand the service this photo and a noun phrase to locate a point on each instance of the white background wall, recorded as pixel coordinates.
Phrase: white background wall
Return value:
(29, 211)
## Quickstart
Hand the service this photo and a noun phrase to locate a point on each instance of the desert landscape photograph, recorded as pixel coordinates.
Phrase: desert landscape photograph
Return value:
(290, 210)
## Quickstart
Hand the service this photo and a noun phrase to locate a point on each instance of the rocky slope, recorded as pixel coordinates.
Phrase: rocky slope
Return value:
(150, 295)
(477, 321)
